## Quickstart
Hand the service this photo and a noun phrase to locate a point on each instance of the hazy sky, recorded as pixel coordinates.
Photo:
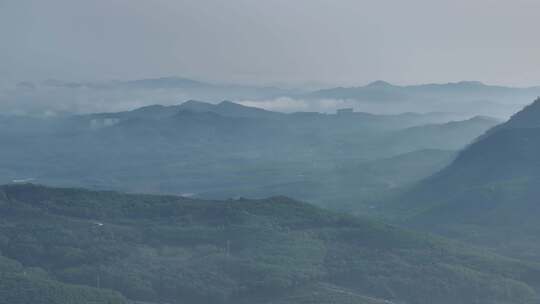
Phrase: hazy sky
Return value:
(272, 41)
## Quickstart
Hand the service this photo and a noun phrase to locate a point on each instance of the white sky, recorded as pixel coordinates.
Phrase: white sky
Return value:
(336, 42)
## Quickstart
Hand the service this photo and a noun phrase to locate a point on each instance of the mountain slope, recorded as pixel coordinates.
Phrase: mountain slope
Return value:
(178, 250)
(489, 194)
(228, 150)
(454, 135)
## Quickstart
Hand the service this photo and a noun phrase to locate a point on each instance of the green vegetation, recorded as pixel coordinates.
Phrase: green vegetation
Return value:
(178, 250)
(228, 150)
(488, 196)
(20, 285)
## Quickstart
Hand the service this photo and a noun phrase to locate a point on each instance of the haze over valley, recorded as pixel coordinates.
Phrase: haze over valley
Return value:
(229, 150)
(269, 152)
(462, 98)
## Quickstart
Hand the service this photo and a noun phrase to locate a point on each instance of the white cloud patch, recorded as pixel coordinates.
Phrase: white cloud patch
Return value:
(289, 105)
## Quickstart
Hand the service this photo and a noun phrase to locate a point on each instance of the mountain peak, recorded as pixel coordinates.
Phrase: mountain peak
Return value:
(195, 102)
(230, 108)
(226, 108)
(471, 83)
(229, 103)
(379, 84)
(196, 105)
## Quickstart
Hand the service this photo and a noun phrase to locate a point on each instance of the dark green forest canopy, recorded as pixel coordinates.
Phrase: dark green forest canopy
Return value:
(172, 249)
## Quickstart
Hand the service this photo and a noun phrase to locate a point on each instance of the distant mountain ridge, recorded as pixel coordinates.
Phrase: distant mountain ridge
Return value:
(234, 109)
(228, 108)
(172, 82)
(471, 97)
(224, 108)
(474, 89)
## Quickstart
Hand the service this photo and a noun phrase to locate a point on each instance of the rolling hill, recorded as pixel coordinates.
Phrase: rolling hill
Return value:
(226, 150)
(171, 249)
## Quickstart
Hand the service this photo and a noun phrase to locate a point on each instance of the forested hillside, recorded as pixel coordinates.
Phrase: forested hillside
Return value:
(489, 194)
(23, 285)
(178, 250)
